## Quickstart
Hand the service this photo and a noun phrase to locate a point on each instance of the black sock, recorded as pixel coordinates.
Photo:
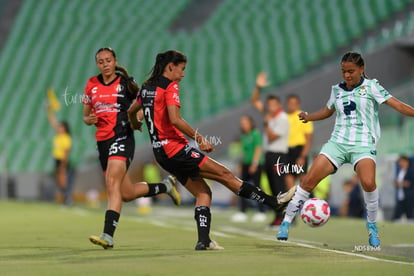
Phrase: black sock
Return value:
(156, 188)
(252, 192)
(111, 222)
(202, 216)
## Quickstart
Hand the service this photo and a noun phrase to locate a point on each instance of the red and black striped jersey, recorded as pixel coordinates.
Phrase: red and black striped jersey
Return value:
(154, 98)
(110, 103)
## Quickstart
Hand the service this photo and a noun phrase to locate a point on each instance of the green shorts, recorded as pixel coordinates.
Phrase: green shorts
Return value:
(340, 154)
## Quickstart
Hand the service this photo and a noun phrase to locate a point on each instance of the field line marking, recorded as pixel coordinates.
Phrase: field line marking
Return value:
(266, 237)
(302, 244)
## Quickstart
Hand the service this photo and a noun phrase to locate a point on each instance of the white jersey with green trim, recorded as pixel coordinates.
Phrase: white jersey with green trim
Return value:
(357, 120)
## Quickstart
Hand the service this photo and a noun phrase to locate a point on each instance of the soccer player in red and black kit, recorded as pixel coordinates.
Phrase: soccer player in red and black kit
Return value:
(159, 97)
(106, 101)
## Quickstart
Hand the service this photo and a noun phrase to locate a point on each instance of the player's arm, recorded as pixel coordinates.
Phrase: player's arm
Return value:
(401, 107)
(89, 117)
(179, 123)
(316, 116)
(135, 115)
(261, 81)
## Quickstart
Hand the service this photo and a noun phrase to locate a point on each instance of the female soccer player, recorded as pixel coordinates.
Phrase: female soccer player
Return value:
(354, 138)
(106, 101)
(62, 144)
(160, 99)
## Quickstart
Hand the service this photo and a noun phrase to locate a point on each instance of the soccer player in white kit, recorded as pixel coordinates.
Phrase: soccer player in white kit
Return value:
(353, 140)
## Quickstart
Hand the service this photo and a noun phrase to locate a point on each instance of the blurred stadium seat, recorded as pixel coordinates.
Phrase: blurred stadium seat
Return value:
(52, 43)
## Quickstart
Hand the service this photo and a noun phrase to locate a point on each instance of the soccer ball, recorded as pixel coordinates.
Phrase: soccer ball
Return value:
(315, 212)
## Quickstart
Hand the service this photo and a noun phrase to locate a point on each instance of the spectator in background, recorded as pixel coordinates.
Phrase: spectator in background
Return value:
(275, 139)
(299, 142)
(62, 144)
(251, 166)
(353, 205)
(404, 184)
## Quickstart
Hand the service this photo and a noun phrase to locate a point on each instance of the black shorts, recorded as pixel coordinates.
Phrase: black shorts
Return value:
(292, 155)
(183, 165)
(118, 147)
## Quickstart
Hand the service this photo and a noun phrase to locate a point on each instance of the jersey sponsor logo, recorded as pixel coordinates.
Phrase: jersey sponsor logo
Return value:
(159, 144)
(195, 154)
(348, 107)
(175, 86)
(148, 93)
(94, 90)
(118, 95)
(106, 107)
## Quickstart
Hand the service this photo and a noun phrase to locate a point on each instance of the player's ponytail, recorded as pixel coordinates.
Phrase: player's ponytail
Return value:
(355, 58)
(162, 60)
(131, 84)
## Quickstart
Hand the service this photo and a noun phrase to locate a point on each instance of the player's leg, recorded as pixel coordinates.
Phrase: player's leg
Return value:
(202, 215)
(365, 169)
(114, 176)
(131, 191)
(211, 169)
(321, 168)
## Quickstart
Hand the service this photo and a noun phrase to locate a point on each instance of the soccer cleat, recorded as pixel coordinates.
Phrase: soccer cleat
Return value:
(213, 245)
(283, 199)
(283, 233)
(373, 239)
(171, 183)
(104, 240)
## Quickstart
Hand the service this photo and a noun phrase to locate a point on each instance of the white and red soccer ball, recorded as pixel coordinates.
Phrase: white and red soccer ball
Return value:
(315, 212)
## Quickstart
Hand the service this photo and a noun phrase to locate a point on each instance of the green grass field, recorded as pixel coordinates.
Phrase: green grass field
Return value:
(47, 239)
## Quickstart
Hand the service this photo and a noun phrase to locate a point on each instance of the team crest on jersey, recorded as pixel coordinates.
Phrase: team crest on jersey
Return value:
(195, 154)
(362, 91)
(119, 88)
